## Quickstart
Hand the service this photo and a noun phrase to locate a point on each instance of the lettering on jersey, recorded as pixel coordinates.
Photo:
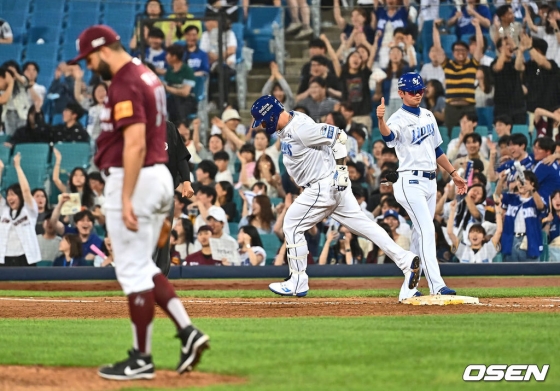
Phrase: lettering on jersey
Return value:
(420, 134)
(526, 212)
(286, 149)
(328, 131)
(123, 110)
(413, 182)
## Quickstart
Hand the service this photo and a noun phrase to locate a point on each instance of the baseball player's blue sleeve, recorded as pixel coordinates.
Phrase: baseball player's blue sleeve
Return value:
(393, 138)
(439, 152)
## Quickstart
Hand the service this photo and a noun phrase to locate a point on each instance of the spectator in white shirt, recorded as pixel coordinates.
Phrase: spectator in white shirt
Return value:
(221, 159)
(480, 250)
(6, 35)
(251, 249)
(433, 69)
(36, 91)
(209, 43)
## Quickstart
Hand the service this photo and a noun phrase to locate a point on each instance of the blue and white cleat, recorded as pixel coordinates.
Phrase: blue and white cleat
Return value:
(417, 294)
(446, 291)
(414, 273)
(286, 288)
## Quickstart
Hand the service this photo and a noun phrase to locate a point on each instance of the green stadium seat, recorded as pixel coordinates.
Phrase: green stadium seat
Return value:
(276, 200)
(271, 244)
(545, 255)
(74, 155)
(5, 153)
(455, 132)
(33, 155)
(482, 130)
(44, 263)
(233, 228)
(442, 130)
(36, 176)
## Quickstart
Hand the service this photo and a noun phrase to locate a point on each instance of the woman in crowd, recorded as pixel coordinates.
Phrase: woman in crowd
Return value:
(41, 198)
(277, 86)
(184, 244)
(265, 172)
(107, 249)
(77, 183)
(262, 217)
(224, 199)
(71, 249)
(434, 100)
(391, 218)
(153, 9)
(251, 249)
(18, 218)
(484, 93)
(93, 105)
(15, 101)
(388, 87)
(191, 137)
(341, 247)
(548, 31)
(359, 22)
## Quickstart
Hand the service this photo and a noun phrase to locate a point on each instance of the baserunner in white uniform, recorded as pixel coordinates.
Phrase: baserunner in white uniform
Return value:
(313, 155)
(414, 134)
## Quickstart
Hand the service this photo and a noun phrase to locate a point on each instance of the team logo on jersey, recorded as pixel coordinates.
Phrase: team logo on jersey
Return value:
(420, 134)
(286, 149)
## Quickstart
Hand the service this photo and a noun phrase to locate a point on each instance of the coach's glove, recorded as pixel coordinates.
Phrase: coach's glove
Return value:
(341, 180)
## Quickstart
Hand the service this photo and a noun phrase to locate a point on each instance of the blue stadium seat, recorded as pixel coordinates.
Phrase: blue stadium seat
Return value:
(74, 155)
(49, 5)
(485, 116)
(447, 42)
(238, 30)
(197, 7)
(46, 75)
(57, 119)
(14, 6)
(20, 34)
(200, 87)
(84, 6)
(119, 13)
(83, 18)
(69, 50)
(259, 32)
(48, 34)
(46, 18)
(71, 34)
(45, 53)
(16, 18)
(12, 52)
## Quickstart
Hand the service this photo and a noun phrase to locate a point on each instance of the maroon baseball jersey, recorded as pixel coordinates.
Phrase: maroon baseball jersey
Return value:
(198, 258)
(135, 96)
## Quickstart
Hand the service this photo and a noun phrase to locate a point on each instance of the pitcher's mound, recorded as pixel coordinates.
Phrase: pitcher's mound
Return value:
(39, 378)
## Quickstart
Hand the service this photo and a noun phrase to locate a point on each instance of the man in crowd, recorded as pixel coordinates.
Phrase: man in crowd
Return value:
(206, 173)
(460, 73)
(204, 255)
(319, 68)
(178, 29)
(508, 92)
(317, 102)
(194, 56)
(472, 142)
(179, 82)
(37, 92)
(155, 53)
(548, 175)
(456, 147)
(71, 130)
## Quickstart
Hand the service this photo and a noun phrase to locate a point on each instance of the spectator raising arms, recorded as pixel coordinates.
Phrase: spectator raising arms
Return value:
(77, 182)
(251, 249)
(41, 198)
(463, 18)
(71, 248)
(6, 34)
(522, 239)
(36, 91)
(549, 32)
(345, 250)
(470, 211)
(18, 216)
(460, 73)
(48, 241)
(478, 251)
(278, 87)
(16, 103)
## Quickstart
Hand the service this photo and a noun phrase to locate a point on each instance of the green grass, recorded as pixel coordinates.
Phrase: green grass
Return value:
(318, 293)
(324, 354)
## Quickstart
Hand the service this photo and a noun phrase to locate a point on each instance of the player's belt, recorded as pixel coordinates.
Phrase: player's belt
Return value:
(426, 174)
(520, 234)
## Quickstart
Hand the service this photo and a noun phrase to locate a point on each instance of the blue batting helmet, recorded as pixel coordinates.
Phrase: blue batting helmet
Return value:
(267, 109)
(410, 82)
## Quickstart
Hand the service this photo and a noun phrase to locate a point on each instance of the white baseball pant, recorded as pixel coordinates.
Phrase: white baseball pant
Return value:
(321, 200)
(417, 195)
(151, 202)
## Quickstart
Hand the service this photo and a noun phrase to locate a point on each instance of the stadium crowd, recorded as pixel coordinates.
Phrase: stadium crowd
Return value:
(492, 83)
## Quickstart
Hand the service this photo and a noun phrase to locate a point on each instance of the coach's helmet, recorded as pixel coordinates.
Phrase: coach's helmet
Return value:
(267, 110)
(411, 82)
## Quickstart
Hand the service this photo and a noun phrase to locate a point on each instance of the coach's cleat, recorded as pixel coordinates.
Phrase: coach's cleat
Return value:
(414, 273)
(193, 344)
(286, 288)
(134, 367)
(446, 291)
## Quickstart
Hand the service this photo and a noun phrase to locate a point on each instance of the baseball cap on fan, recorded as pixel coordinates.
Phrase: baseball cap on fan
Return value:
(92, 39)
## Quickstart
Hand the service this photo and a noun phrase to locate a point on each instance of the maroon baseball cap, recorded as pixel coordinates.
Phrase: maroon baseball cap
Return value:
(93, 38)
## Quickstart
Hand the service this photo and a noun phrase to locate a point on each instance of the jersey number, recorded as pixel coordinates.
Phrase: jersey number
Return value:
(159, 93)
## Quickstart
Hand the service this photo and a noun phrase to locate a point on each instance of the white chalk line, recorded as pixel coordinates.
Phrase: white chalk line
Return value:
(271, 303)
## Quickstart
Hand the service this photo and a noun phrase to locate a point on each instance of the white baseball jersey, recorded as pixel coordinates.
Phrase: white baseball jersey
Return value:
(307, 149)
(415, 137)
(465, 254)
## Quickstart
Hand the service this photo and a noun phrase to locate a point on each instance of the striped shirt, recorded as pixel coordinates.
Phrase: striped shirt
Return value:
(459, 80)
